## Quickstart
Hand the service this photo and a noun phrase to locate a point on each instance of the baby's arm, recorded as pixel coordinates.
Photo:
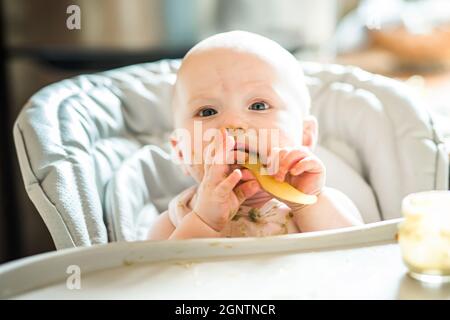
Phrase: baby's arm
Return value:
(333, 209)
(162, 228)
(191, 226)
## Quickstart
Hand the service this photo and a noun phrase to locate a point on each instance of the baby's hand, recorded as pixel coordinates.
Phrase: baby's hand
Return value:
(298, 167)
(219, 196)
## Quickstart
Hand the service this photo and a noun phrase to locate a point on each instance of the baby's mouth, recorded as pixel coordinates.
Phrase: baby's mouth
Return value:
(245, 148)
(252, 155)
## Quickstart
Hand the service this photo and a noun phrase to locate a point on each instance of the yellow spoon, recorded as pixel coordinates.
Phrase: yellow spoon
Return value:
(282, 190)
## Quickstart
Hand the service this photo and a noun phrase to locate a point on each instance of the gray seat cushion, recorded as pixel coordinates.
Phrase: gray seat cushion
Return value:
(77, 138)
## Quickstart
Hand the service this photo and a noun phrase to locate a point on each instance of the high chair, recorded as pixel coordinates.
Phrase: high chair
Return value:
(95, 157)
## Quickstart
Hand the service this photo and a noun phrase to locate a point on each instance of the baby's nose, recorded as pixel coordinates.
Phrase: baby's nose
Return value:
(235, 131)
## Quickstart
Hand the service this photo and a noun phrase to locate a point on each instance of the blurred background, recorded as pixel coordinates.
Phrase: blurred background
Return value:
(408, 40)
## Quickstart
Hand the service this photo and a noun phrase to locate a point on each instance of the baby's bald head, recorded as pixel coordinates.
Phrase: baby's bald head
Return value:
(220, 52)
(246, 43)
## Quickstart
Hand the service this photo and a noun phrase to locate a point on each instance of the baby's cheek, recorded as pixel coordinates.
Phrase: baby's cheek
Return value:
(290, 139)
(280, 138)
(289, 128)
(291, 133)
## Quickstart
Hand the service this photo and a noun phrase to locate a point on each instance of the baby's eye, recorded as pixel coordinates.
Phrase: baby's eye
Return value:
(260, 105)
(207, 112)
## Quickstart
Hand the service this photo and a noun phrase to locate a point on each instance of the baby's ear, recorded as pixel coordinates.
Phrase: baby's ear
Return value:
(310, 132)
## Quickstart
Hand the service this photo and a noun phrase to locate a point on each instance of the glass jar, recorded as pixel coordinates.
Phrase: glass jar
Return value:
(424, 235)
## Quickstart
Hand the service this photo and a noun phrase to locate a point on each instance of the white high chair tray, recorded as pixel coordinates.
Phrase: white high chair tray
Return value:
(353, 263)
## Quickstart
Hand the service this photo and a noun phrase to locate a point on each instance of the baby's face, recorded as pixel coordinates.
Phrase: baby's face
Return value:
(241, 92)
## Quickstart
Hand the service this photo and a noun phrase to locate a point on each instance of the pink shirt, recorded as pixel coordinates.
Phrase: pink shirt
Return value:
(273, 218)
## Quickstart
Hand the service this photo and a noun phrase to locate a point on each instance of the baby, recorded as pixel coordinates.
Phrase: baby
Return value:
(235, 83)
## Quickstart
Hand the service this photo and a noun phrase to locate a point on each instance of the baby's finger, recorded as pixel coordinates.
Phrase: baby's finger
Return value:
(289, 160)
(247, 175)
(228, 148)
(246, 190)
(219, 168)
(222, 145)
(208, 156)
(226, 186)
(212, 153)
(274, 159)
(217, 173)
(237, 157)
(309, 164)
